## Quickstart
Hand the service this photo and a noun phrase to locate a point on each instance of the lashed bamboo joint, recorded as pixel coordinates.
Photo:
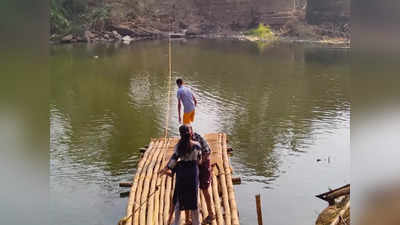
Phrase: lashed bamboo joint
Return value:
(151, 194)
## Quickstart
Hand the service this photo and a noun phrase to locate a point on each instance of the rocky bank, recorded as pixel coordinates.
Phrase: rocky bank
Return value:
(130, 20)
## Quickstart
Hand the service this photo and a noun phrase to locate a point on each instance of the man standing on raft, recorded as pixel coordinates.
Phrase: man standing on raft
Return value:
(185, 95)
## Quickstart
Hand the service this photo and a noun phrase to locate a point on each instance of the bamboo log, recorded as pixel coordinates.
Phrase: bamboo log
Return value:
(259, 212)
(135, 219)
(124, 194)
(157, 202)
(167, 199)
(163, 211)
(217, 201)
(225, 198)
(131, 200)
(125, 184)
(214, 222)
(162, 194)
(146, 186)
(231, 191)
(152, 211)
(169, 189)
(236, 180)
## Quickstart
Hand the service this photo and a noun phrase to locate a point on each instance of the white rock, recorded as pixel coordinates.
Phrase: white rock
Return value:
(127, 38)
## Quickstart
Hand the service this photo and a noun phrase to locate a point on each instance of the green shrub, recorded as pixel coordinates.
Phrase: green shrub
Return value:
(262, 32)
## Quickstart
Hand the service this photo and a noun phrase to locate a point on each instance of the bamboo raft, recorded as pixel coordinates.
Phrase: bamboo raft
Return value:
(151, 194)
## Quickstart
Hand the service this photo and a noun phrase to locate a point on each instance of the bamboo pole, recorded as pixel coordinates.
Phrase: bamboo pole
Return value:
(159, 203)
(125, 184)
(167, 199)
(162, 194)
(236, 180)
(164, 213)
(225, 198)
(152, 203)
(162, 191)
(259, 212)
(124, 194)
(214, 222)
(168, 188)
(145, 191)
(139, 183)
(217, 201)
(231, 191)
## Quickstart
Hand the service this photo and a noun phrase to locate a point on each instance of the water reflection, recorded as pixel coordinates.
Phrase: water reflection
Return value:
(274, 104)
(286, 97)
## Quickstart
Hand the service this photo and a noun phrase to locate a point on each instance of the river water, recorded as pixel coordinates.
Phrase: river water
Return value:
(285, 108)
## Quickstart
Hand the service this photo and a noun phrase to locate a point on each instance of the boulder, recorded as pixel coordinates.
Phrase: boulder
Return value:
(67, 39)
(116, 35)
(89, 34)
(127, 38)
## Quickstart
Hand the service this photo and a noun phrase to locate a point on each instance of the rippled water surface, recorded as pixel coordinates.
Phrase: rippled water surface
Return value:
(285, 108)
